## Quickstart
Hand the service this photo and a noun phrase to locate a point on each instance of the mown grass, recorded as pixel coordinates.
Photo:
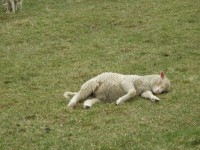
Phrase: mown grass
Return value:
(55, 46)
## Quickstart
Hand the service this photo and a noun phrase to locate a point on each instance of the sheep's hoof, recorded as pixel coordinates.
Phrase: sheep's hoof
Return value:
(87, 107)
(156, 100)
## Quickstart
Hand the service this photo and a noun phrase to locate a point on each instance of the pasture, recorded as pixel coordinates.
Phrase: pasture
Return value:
(54, 46)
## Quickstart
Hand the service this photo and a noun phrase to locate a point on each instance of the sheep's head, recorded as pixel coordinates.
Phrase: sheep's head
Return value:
(160, 84)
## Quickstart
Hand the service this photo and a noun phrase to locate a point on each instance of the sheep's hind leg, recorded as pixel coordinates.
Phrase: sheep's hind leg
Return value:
(85, 92)
(73, 101)
(81, 95)
(89, 102)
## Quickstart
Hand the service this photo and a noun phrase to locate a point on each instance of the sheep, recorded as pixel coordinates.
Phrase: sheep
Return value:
(109, 87)
(12, 5)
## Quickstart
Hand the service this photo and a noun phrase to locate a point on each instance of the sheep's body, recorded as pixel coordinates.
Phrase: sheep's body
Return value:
(109, 87)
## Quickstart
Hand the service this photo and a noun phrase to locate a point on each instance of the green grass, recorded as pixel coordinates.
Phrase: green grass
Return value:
(54, 46)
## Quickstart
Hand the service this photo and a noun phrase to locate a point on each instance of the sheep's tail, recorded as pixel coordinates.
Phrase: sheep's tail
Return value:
(69, 94)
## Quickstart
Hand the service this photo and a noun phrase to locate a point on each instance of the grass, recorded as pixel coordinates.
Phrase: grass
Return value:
(55, 46)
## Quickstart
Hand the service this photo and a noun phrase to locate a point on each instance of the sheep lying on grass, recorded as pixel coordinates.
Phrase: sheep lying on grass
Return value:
(109, 87)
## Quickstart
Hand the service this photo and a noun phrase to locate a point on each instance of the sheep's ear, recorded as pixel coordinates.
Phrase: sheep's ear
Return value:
(162, 75)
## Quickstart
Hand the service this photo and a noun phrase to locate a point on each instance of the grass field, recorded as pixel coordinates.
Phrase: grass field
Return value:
(54, 46)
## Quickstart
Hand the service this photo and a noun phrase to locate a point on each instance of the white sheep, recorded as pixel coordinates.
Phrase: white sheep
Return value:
(109, 87)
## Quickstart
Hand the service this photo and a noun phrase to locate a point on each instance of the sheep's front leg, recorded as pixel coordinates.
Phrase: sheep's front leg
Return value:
(89, 102)
(129, 88)
(149, 95)
(131, 93)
